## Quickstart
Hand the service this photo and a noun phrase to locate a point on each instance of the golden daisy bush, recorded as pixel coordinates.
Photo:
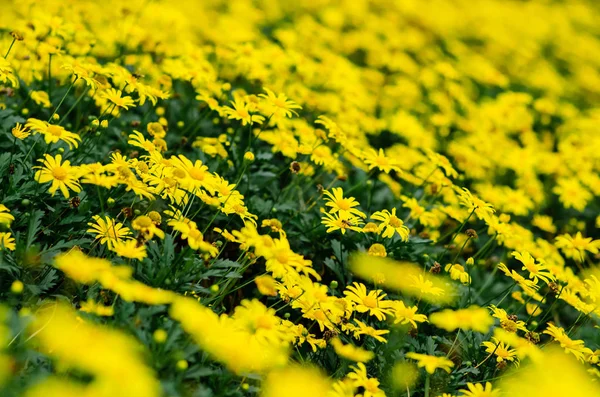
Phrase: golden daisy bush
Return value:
(330, 198)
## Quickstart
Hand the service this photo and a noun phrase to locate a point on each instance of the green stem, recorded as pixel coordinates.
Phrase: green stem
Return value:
(485, 246)
(456, 231)
(63, 118)
(50, 78)
(100, 197)
(63, 98)
(549, 310)
(10, 48)
(427, 381)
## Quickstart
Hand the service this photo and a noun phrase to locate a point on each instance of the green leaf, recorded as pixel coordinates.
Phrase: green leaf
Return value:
(35, 221)
(4, 163)
(336, 268)
(226, 263)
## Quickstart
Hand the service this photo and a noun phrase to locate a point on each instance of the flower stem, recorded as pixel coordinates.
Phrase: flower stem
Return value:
(50, 78)
(63, 118)
(10, 48)
(63, 99)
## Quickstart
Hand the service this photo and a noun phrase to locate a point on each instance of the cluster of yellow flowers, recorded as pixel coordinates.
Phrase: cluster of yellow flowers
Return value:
(400, 103)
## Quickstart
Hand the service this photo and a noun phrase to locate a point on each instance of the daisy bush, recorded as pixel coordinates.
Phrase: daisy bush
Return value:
(299, 198)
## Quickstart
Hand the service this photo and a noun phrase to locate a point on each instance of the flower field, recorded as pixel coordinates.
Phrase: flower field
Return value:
(315, 198)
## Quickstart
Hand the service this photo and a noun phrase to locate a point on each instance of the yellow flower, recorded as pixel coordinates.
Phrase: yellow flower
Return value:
(20, 132)
(508, 323)
(147, 227)
(370, 227)
(482, 210)
(7, 73)
(406, 314)
(137, 139)
(130, 249)
(227, 341)
(5, 217)
(405, 277)
(391, 224)
(266, 285)
(62, 175)
(500, 350)
(156, 130)
(189, 231)
(278, 104)
(576, 247)
(572, 194)
(114, 96)
(341, 221)
(296, 381)
(370, 302)
(529, 286)
(274, 224)
(575, 347)
(543, 222)
(74, 344)
(196, 174)
(52, 132)
(364, 329)
(7, 241)
(378, 159)
(360, 379)
(108, 231)
(100, 310)
(344, 205)
(535, 269)
(351, 352)
(241, 111)
(553, 374)
(431, 363)
(473, 318)
(377, 250)
(457, 272)
(441, 161)
(404, 375)
(478, 390)
(41, 98)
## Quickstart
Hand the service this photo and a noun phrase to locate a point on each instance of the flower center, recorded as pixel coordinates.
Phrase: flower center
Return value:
(60, 173)
(110, 232)
(143, 222)
(55, 130)
(370, 301)
(195, 234)
(395, 221)
(243, 113)
(280, 103)
(264, 322)
(197, 174)
(343, 204)
(282, 257)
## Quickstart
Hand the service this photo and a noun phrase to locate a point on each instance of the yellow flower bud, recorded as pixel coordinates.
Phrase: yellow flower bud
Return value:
(249, 156)
(182, 365)
(160, 336)
(16, 287)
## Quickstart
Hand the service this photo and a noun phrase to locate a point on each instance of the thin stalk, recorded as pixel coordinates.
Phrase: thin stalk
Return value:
(50, 78)
(64, 117)
(63, 98)
(10, 48)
